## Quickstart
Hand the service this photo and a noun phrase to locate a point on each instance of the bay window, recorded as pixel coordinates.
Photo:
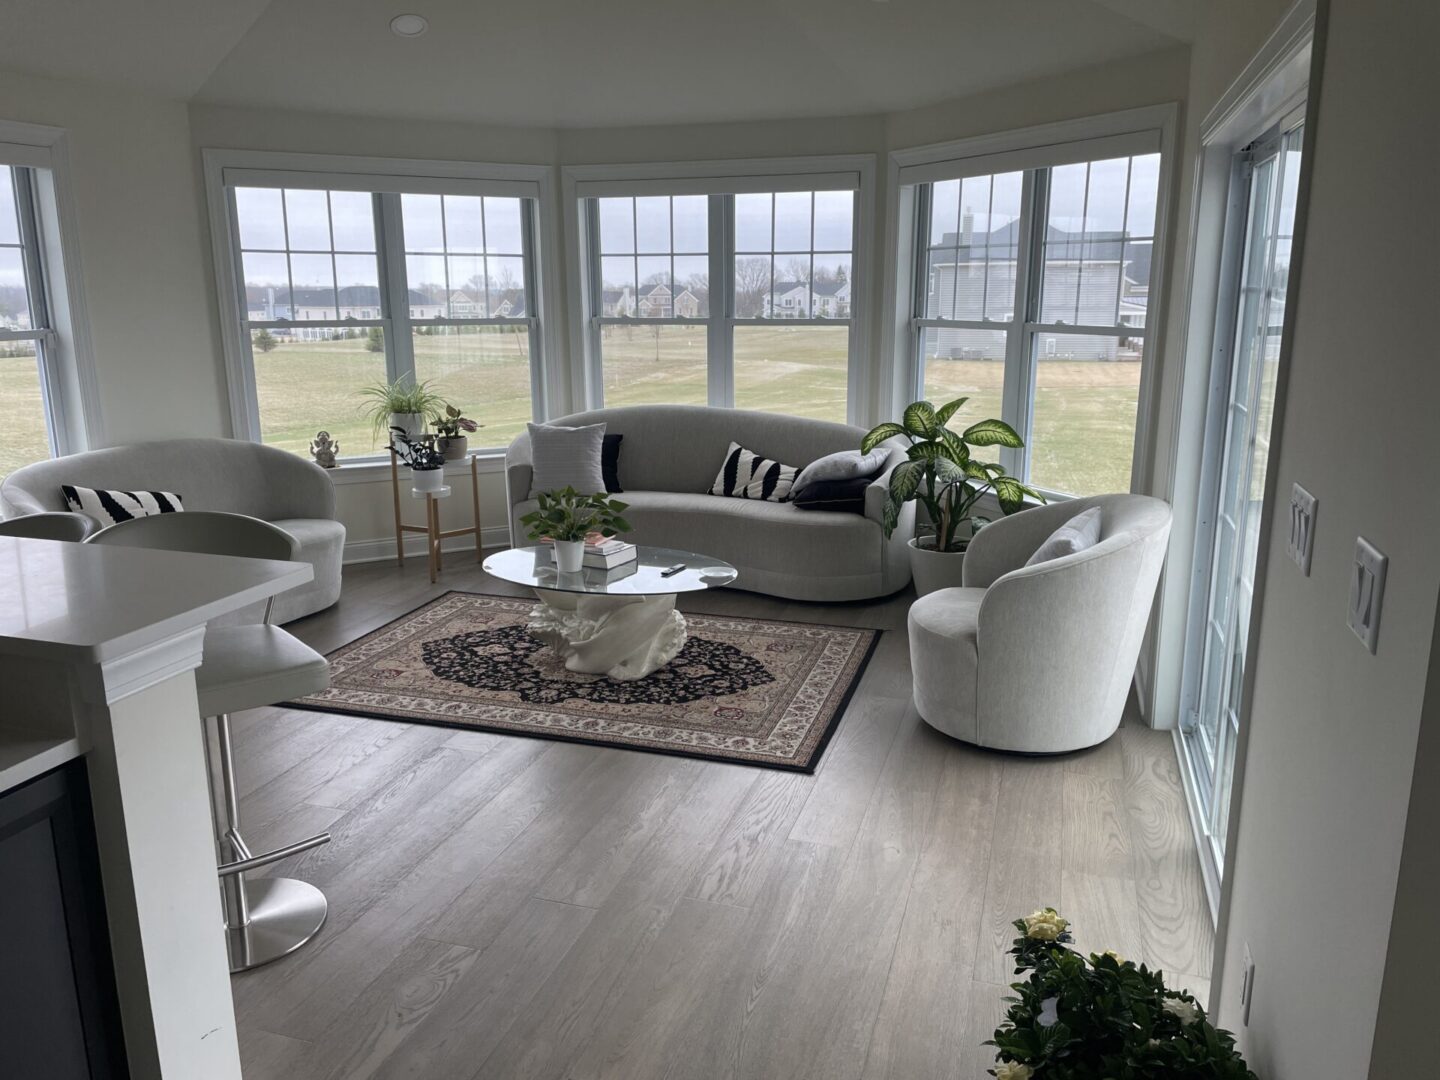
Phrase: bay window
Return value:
(345, 279)
(727, 292)
(1030, 292)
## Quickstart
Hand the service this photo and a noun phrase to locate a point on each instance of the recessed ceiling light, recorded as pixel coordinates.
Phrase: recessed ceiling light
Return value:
(409, 25)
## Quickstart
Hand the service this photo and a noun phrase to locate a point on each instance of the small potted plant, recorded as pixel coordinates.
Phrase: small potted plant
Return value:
(1101, 1016)
(448, 426)
(427, 464)
(566, 517)
(404, 404)
(948, 482)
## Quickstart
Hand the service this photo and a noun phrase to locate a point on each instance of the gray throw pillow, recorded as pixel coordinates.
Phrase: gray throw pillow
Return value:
(845, 465)
(1080, 532)
(564, 457)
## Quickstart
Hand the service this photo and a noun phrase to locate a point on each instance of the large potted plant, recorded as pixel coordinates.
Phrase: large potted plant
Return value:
(402, 404)
(448, 425)
(566, 518)
(1101, 1017)
(427, 464)
(943, 476)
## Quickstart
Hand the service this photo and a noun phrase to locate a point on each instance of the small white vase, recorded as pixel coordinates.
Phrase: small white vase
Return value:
(934, 570)
(569, 555)
(412, 423)
(427, 479)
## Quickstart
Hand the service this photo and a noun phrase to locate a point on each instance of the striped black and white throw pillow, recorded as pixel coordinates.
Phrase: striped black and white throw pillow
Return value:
(746, 475)
(113, 507)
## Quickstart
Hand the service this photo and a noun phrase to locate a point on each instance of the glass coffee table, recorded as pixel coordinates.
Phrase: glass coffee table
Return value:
(619, 622)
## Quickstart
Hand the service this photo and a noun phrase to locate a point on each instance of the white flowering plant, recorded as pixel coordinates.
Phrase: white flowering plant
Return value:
(1101, 1017)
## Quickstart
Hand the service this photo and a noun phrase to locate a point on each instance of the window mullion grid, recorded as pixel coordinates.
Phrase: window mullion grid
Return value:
(1084, 243)
(1018, 404)
(1124, 234)
(920, 291)
(985, 283)
(38, 307)
(390, 239)
(720, 335)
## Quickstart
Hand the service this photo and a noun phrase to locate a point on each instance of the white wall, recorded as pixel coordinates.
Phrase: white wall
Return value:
(146, 280)
(365, 507)
(1317, 844)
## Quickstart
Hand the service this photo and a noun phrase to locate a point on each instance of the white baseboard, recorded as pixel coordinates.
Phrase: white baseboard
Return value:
(383, 547)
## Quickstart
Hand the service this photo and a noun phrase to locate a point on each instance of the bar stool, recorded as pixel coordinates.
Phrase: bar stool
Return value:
(50, 525)
(244, 667)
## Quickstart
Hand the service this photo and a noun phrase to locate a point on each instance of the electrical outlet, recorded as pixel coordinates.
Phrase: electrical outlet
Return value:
(1247, 985)
(1367, 589)
(1302, 528)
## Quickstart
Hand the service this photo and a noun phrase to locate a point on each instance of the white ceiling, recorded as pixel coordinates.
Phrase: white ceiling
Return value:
(581, 63)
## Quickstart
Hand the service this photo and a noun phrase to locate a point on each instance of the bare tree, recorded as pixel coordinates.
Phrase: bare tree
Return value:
(752, 282)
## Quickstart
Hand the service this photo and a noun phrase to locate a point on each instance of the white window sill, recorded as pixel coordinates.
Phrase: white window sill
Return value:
(377, 470)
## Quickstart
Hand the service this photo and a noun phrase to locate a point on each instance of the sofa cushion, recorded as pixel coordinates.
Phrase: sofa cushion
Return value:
(749, 533)
(610, 463)
(1080, 532)
(567, 457)
(843, 496)
(113, 507)
(842, 465)
(746, 475)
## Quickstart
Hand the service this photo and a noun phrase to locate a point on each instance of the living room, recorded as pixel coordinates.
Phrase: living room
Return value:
(716, 541)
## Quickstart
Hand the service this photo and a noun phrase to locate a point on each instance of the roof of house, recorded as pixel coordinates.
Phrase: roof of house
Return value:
(820, 288)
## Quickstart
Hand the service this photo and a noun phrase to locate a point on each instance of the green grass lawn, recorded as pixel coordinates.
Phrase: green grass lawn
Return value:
(1084, 411)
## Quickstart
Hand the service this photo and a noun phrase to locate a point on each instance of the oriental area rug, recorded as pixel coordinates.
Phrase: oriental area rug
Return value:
(742, 690)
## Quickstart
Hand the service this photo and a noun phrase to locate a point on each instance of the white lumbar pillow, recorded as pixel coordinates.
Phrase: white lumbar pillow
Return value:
(845, 465)
(1080, 532)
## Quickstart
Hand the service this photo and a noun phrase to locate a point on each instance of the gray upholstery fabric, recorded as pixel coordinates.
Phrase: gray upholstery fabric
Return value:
(1080, 532)
(51, 525)
(209, 474)
(246, 667)
(566, 456)
(668, 463)
(1055, 644)
(843, 465)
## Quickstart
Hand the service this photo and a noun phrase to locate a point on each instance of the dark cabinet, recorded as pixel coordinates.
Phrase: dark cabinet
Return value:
(58, 1015)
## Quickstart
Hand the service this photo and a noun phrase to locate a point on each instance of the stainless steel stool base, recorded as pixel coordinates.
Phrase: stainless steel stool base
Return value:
(284, 914)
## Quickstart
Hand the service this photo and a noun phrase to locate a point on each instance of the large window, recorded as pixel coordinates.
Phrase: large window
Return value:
(1031, 293)
(30, 392)
(740, 299)
(340, 288)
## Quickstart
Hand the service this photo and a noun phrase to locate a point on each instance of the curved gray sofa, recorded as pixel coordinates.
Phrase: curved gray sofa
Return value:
(208, 474)
(668, 460)
(1039, 659)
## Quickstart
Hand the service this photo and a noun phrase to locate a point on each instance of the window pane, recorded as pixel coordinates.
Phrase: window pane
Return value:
(653, 298)
(261, 218)
(792, 221)
(352, 219)
(22, 407)
(1086, 392)
(428, 289)
(464, 225)
(834, 220)
(660, 363)
(484, 371)
(422, 218)
(752, 222)
(652, 224)
(313, 279)
(692, 224)
(307, 379)
(503, 226)
(467, 299)
(1144, 186)
(354, 272)
(800, 370)
(752, 285)
(506, 277)
(14, 300)
(692, 286)
(966, 363)
(307, 220)
(973, 240)
(830, 287)
(617, 285)
(617, 226)
(9, 210)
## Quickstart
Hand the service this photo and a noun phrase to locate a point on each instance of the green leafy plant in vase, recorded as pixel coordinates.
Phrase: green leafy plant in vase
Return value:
(1101, 1017)
(944, 477)
(452, 432)
(566, 518)
(403, 403)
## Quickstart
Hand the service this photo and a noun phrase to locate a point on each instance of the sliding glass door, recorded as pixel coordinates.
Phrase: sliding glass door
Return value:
(1266, 177)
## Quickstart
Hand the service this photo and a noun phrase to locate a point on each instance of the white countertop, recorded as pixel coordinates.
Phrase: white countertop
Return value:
(94, 603)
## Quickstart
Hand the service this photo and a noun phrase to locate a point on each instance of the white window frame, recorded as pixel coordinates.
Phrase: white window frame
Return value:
(1146, 130)
(69, 386)
(389, 177)
(580, 183)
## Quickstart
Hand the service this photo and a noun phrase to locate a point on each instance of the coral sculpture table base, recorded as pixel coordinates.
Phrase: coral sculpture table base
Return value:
(624, 637)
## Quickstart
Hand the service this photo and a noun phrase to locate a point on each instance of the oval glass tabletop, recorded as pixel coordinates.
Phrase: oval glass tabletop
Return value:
(535, 566)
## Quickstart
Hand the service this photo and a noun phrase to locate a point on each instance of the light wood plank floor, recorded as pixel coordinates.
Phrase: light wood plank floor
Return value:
(513, 908)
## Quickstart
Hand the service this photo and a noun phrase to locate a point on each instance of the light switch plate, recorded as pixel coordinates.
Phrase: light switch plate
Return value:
(1302, 528)
(1367, 589)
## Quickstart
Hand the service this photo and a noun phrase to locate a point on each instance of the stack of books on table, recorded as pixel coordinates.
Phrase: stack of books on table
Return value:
(604, 553)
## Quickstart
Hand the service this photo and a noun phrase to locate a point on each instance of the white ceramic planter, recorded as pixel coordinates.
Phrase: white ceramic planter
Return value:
(427, 479)
(934, 570)
(412, 423)
(569, 555)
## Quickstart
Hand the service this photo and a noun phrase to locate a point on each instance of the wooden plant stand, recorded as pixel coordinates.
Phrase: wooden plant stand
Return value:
(434, 535)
